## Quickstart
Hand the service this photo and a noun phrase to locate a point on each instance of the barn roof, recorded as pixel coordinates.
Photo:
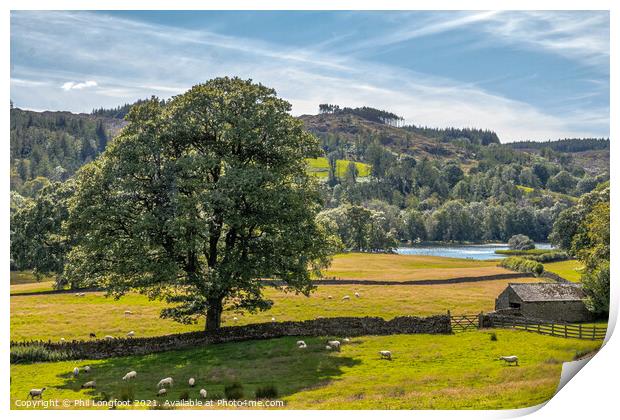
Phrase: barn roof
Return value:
(543, 292)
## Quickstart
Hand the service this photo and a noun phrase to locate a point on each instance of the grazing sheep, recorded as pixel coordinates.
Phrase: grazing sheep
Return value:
(76, 371)
(329, 297)
(161, 392)
(346, 340)
(82, 294)
(86, 369)
(386, 354)
(235, 319)
(130, 375)
(36, 393)
(191, 382)
(92, 335)
(166, 381)
(77, 294)
(302, 346)
(334, 345)
(128, 313)
(300, 342)
(203, 393)
(328, 348)
(346, 297)
(357, 294)
(90, 384)
(108, 337)
(273, 319)
(510, 359)
(130, 334)
(62, 339)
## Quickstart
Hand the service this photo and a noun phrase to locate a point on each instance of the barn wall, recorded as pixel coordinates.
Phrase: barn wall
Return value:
(503, 300)
(557, 311)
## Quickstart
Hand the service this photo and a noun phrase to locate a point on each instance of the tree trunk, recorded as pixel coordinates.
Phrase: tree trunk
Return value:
(214, 315)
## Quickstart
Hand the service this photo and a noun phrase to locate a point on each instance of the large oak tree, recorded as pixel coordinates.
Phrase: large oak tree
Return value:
(198, 200)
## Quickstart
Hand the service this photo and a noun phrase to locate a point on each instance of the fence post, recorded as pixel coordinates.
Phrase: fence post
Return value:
(565, 331)
(593, 331)
(580, 331)
(553, 328)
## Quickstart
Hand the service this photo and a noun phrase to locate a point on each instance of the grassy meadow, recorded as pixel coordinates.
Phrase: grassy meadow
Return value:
(427, 372)
(320, 167)
(569, 269)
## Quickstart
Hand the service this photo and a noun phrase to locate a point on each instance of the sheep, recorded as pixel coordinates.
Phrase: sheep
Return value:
(386, 354)
(77, 294)
(346, 340)
(130, 334)
(108, 337)
(191, 382)
(90, 384)
(346, 297)
(87, 369)
(130, 375)
(273, 319)
(328, 348)
(235, 319)
(330, 297)
(302, 346)
(166, 381)
(161, 392)
(76, 371)
(510, 359)
(300, 342)
(203, 393)
(128, 313)
(62, 339)
(35, 392)
(82, 294)
(334, 345)
(92, 335)
(357, 294)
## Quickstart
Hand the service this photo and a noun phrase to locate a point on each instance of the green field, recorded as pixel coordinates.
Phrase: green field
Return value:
(427, 372)
(529, 190)
(570, 269)
(320, 167)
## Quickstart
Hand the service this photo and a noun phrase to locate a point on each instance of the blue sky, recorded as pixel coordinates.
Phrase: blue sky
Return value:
(527, 75)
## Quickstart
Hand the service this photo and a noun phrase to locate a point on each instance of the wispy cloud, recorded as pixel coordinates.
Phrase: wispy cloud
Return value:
(131, 59)
(78, 85)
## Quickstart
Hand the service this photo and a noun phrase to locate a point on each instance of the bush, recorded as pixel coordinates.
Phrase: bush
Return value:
(493, 336)
(549, 257)
(522, 265)
(233, 391)
(184, 395)
(266, 392)
(520, 242)
(30, 353)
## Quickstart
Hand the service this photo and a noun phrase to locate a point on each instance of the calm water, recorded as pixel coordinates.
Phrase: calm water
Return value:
(475, 252)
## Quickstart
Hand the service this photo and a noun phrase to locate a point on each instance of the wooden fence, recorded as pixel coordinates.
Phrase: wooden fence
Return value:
(556, 329)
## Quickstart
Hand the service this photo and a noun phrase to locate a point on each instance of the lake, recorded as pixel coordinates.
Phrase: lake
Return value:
(475, 252)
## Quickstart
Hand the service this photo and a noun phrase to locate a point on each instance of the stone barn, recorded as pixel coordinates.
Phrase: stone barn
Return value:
(545, 301)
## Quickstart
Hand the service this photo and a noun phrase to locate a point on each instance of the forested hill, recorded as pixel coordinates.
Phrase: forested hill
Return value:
(564, 145)
(53, 145)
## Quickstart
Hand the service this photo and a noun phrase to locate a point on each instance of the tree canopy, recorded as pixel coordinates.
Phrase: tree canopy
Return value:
(198, 200)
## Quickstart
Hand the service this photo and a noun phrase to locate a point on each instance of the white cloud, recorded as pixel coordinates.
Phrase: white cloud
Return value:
(78, 85)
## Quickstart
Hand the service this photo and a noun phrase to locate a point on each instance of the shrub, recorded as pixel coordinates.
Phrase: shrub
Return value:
(520, 242)
(266, 392)
(29, 353)
(493, 336)
(548, 257)
(233, 391)
(522, 265)
(184, 395)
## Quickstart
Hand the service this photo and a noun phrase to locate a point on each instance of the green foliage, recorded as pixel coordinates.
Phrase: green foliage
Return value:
(520, 243)
(493, 336)
(522, 265)
(266, 392)
(234, 391)
(200, 198)
(32, 353)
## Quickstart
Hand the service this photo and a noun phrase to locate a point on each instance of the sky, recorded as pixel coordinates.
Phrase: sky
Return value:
(528, 75)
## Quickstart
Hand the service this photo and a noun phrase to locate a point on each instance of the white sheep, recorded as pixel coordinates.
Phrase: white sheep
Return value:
(330, 297)
(357, 294)
(62, 339)
(86, 369)
(235, 319)
(346, 297)
(77, 294)
(108, 337)
(82, 294)
(36, 392)
(128, 313)
(328, 348)
(161, 392)
(191, 382)
(273, 319)
(386, 354)
(90, 384)
(302, 346)
(334, 344)
(346, 340)
(130, 375)
(510, 359)
(203, 393)
(300, 342)
(166, 381)
(76, 371)
(130, 334)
